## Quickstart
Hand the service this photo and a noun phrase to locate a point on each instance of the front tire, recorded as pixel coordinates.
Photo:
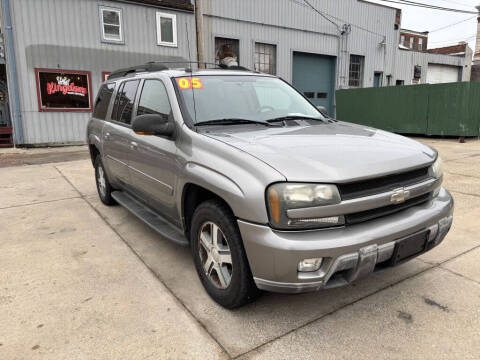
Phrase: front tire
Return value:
(219, 256)
(103, 186)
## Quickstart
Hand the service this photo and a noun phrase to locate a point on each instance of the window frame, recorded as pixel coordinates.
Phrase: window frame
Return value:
(420, 44)
(104, 39)
(158, 20)
(141, 88)
(411, 42)
(225, 37)
(135, 101)
(274, 55)
(361, 71)
(69, 72)
(402, 40)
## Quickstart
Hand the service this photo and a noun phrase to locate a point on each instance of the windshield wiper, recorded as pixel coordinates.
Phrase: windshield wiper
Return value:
(231, 121)
(294, 117)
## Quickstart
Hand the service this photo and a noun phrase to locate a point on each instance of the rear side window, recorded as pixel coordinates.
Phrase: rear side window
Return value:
(103, 100)
(154, 99)
(123, 108)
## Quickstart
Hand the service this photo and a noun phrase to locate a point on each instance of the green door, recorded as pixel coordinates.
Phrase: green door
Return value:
(377, 79)
(314, 76)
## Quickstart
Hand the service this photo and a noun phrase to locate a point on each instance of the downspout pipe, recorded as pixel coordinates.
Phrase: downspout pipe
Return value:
(12, 78)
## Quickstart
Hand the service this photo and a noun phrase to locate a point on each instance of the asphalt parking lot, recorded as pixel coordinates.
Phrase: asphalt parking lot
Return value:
(80, 280)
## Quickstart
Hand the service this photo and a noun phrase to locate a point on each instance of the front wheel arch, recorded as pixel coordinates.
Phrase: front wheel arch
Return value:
(192, 196)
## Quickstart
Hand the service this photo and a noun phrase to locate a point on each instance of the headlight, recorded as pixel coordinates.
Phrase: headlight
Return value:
(437, 170)
(284, 196)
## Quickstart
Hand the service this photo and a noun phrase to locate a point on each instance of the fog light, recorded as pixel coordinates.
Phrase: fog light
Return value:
(308, 265)
(326, 221)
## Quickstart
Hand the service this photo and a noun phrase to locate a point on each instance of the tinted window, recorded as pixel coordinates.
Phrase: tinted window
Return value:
(117, 100)
(103, 100)
(122, 111)
(154, 99)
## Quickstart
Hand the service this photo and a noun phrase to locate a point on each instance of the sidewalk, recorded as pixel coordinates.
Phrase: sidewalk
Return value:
(31, 156)
(81, 280)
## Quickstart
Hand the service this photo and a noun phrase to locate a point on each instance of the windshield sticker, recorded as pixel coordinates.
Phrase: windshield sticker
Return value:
(189, 83)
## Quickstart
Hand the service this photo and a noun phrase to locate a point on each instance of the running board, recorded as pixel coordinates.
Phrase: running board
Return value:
(149, 217)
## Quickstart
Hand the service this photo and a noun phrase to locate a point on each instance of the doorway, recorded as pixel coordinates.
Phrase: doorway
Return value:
(314, 76)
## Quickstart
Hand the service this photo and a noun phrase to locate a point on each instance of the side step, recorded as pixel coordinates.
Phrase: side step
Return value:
(152, 219)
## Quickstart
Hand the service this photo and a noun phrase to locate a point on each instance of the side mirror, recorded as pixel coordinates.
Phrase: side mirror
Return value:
(153, 124)
(323, 110)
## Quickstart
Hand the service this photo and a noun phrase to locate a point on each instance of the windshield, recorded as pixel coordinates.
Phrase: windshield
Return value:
(254, 98)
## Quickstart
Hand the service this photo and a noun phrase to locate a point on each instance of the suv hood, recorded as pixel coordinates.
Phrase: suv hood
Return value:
(327, 152)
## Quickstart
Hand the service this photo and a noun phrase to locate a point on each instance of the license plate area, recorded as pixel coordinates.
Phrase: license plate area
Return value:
(409, 247)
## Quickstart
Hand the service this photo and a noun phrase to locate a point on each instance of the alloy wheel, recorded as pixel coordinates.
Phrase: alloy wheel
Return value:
(102, 182)
(215, 255)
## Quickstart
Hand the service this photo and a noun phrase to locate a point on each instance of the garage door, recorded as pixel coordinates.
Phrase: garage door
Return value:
(314, 76)
(437, 74)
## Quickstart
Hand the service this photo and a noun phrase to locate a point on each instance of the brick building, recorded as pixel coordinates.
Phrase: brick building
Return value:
(413, 40)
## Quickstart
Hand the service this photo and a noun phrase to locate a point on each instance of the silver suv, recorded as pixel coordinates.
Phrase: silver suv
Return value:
(268, 193)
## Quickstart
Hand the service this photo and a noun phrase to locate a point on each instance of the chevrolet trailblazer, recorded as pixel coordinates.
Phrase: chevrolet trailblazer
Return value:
(268, 193)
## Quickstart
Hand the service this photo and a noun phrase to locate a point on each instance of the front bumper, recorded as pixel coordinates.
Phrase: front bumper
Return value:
(348, 253)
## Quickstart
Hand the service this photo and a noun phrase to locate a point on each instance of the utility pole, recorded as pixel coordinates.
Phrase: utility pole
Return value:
(199, 30)
(476, 56)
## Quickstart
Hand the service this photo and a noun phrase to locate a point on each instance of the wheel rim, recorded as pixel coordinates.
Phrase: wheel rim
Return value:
(102, 183)
(215, 255)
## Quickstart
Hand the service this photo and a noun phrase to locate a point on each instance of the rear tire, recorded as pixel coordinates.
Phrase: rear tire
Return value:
(103, 186)
(220, 259)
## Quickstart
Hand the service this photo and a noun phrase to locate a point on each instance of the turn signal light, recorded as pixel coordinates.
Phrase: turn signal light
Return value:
(274, 203)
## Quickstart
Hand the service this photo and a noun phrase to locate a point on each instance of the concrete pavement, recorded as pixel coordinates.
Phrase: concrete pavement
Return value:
(82, 280)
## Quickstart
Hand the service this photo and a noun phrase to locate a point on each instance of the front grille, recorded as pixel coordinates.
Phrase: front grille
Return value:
(362, 216)
(382, 184)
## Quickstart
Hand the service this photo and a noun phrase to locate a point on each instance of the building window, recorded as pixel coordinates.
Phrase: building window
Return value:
(111, 23)
(265, 58)
(399, 82)
(420, 44)
(166, 29)
(232, 45)
(63, 90)
(411, 42)
(402, 40)
(417, 72)
(355, 77)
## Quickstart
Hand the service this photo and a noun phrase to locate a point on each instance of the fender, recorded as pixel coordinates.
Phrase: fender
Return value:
(226, 188)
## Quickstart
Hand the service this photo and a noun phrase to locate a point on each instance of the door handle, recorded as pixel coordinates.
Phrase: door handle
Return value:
(133, 145)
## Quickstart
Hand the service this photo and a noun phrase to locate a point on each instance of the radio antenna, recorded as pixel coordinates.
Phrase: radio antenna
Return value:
(190, 70)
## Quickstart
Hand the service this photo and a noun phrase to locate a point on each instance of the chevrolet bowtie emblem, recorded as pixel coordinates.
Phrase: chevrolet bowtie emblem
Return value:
(399, 196)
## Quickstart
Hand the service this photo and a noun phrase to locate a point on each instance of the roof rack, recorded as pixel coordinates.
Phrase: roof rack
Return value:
(152, 66)
(148, 67)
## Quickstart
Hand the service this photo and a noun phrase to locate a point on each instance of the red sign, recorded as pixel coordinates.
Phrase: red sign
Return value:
(64, 86)
(63, 90)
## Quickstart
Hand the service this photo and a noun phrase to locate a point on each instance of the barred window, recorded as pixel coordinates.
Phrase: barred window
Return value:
(355, 77)
(265, 58)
